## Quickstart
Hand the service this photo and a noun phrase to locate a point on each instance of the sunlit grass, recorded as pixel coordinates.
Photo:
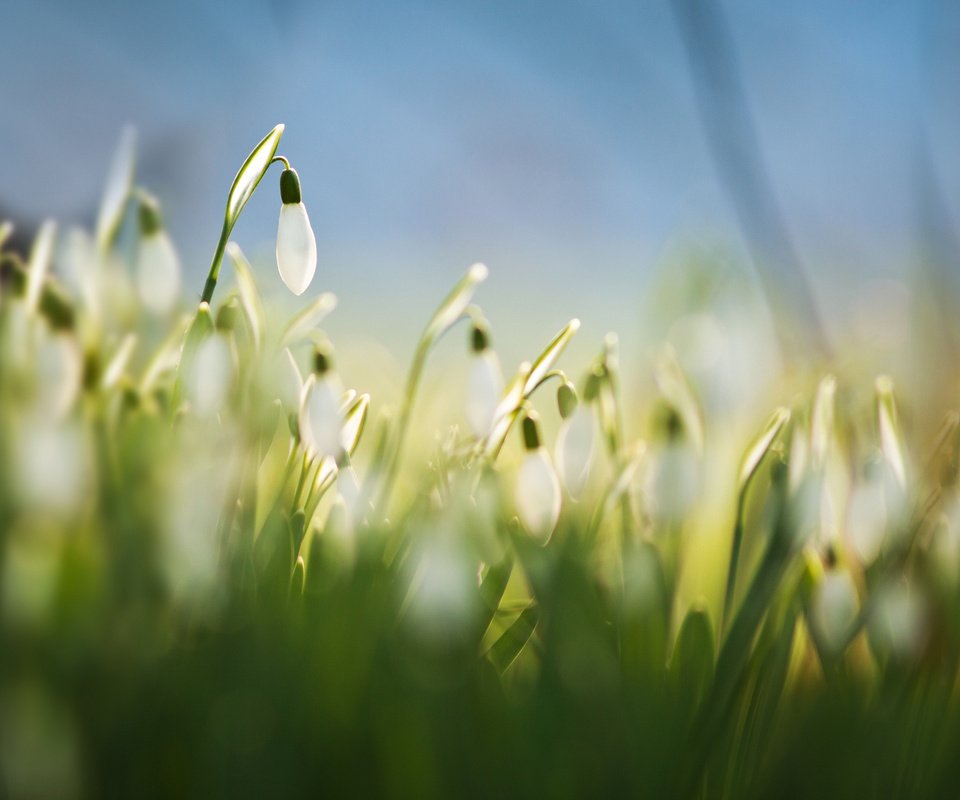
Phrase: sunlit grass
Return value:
(222, 570)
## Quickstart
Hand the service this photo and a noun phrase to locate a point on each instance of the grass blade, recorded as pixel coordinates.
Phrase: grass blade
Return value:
(250, 174)
(506, 649)
(249, 295)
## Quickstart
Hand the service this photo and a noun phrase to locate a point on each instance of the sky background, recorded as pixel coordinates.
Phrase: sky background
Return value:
(558, 142)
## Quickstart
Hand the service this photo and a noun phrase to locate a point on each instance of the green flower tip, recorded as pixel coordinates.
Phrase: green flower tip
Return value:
(531, 431)
(479, 337)
(591, 388)
(668, 422)
(566, 399)
(151, 221)
(322, 359)
(290, 186)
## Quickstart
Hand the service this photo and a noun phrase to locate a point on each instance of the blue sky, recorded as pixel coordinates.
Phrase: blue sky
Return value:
(559, 142)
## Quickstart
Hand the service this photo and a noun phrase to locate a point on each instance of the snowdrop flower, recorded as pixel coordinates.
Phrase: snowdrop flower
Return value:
(673, 474)
(296, 244)
(320, 408)
(875, 505)
(538, 489)
(209, 377)
(158, 267)
(834, 608)
(484, 382)
(575, 440)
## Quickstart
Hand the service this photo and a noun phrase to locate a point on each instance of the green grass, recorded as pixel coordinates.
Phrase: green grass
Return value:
(196, 600)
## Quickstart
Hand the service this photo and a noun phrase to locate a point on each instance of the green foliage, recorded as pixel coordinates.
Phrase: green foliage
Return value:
(195, 598)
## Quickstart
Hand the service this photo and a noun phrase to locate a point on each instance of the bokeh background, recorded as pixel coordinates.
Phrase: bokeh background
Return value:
(562, 143)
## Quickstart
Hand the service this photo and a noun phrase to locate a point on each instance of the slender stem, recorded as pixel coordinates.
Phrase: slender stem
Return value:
(214, 273)
(734, 560)
(403, 422)
(228, 224)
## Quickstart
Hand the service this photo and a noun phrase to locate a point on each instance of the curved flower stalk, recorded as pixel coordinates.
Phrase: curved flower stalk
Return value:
(296, 244)
(484, 381)
(158, 266)
(538, 489)
(577, 436)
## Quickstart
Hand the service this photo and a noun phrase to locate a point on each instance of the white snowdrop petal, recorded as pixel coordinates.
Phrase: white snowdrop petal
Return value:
(672, 483)
(575, 443)
(538, 495)
(209, 379)
(58, 364)
(484, 387)
(443, 593)
(320, 416)
(834, 608)
(158, 273)
(296, 248)
(53, 465)
(867, 520)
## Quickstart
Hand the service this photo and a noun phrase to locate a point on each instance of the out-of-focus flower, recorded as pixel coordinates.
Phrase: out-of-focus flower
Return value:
(538, 489)
(296, 244)
(834, 607)
(575, 444)
(209, 377)
(672, 480)
(484, 382)
(158, 267)
(874, 510)
(320, 408)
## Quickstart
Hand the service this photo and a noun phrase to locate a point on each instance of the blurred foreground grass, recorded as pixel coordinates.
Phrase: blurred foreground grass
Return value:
(217, 577)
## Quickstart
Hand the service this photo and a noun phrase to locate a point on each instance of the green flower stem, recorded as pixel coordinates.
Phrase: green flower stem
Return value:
(403, 421)
(735, 548)
(214, 273)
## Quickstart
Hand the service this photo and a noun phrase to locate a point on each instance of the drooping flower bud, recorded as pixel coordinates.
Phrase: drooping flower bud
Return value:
(538, 489)
(484, 382)
(296, 244)
(320, 407)
(673, 472)
(575, 440)
(158, 267)
(833, 608)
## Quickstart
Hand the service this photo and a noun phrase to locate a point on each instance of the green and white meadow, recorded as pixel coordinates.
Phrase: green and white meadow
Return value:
(225, 572)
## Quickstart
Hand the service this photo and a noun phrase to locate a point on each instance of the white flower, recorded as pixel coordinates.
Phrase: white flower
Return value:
(538, 494)
(296, 248)
(574, 448)
(834, 607)
(158, 273)
(672, 482)
(867, 519)
(484, 387)
(320, 415)
(208, 381)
